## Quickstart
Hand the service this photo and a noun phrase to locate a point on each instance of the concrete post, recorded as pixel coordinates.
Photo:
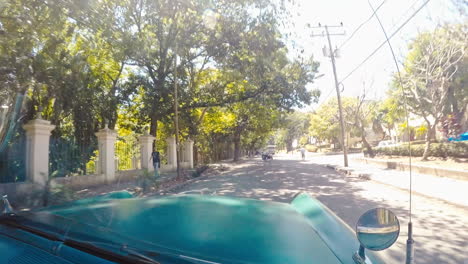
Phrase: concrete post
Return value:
(171, 152)
(146, 148)
(37, 150)
(188, 147)
(106, 144)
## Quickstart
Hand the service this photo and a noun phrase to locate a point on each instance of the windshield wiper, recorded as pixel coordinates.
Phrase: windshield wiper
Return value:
(14, 220)
(132, 256)
(148, 254)
(93, 249)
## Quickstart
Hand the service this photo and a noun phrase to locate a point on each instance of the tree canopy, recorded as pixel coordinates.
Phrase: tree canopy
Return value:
(434, 76)
(87, 64)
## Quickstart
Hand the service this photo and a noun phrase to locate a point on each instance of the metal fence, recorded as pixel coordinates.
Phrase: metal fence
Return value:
(13, 159)
(127, 155)
(67, 157)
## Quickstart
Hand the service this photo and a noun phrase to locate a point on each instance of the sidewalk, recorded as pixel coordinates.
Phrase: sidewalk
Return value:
(449, 170)
(450, 190)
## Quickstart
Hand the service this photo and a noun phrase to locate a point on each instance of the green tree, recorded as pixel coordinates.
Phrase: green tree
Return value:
(360, 115)
(324, 122)
(429, 75)
(390, 112)
(254, 123)
(294, 125)
(83, 64)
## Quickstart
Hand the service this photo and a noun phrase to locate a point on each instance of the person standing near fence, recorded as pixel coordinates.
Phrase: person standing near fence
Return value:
(156, 162)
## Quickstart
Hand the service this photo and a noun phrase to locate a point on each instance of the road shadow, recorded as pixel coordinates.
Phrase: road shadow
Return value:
(348, 197)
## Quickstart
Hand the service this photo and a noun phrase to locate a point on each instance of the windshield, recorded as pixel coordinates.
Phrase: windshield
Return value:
(358, 104)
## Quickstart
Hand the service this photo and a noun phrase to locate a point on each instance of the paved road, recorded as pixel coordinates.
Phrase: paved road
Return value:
(440, 229)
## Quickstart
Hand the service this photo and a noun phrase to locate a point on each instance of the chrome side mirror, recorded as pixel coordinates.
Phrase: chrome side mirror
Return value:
(377, 229)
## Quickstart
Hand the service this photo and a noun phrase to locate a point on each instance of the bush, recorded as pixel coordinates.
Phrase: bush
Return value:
(147, 181)
(355, 149)
(311, 148)
(325, 150)
(418, 142)
(57, 194)
(442, 150)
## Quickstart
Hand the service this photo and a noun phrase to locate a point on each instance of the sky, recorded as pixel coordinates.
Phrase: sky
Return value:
(375, 75)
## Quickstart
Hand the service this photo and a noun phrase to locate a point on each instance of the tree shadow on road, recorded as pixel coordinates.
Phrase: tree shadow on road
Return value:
(348, 197)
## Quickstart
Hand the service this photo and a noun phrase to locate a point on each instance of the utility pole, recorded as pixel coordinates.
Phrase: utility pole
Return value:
(176, 117)
(338, 96)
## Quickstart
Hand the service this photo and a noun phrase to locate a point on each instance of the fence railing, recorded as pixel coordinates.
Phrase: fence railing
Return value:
(127, 155)
(67, 157)
(13, 159)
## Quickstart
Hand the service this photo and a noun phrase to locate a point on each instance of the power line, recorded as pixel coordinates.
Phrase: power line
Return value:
(410, 8)
(409, 241)
(383, 43)
(361, 25)
(331, 91)
(328, 95)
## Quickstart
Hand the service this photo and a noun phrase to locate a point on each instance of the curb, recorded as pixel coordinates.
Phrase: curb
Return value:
(181, 185)
(336, 153)
(349, 171)
(178, 186)
(430, 170)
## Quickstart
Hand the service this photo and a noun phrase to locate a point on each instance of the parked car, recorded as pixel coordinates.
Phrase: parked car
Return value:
(117, 228)
(461, 137)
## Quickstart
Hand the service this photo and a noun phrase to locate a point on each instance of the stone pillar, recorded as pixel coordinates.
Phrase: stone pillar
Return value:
(171, 152)
(146, 148)
(188, 149)
(106, 144)
(37, 150)
(135, 163)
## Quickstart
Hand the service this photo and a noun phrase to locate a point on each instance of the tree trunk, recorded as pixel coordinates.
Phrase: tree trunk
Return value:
(366, 144)
(452, 100)
(429, 134)
(337, 141)
(219, 152)
(111, 113)
(112, 120)
(237, 138)
(195, 153)
(368, 147)
(154, 125)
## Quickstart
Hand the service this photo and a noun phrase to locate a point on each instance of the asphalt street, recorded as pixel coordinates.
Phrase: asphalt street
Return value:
(440, 228)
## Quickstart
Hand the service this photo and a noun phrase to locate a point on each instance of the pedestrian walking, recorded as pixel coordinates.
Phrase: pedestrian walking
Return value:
(156, 162)
(302, 150)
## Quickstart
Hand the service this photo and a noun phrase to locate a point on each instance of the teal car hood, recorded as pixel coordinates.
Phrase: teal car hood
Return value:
(217, 229)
